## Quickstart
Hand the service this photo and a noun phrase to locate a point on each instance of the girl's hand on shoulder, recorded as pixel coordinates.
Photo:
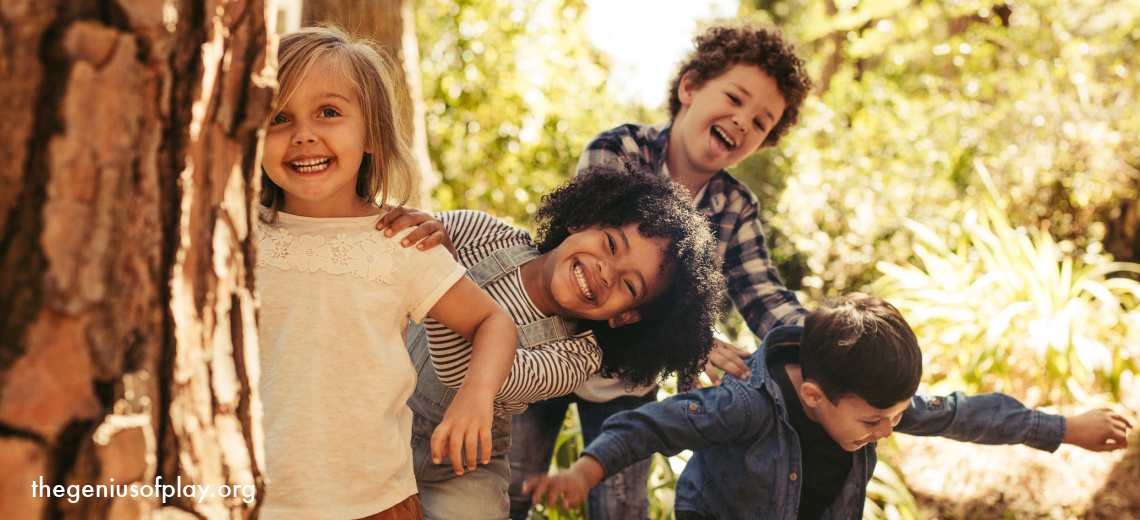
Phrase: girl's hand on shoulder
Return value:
(1097, 430)
(428, 233)
(466, 427)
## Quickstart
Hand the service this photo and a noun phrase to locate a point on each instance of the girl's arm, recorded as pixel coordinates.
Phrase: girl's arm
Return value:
(471, 313)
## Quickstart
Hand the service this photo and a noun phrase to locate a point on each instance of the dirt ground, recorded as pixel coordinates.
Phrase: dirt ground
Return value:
(953, 480)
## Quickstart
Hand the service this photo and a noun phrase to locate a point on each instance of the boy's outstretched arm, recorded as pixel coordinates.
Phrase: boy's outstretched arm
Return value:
(1097, 430)
(572, 485)
(429, 233)
(471, 313)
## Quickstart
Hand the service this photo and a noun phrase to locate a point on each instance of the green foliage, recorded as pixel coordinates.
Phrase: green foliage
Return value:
(1044, 92)
(513, 93)
(1010, 309)
(888, 497)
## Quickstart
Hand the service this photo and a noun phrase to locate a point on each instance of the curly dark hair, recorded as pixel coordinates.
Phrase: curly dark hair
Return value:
(720, 48)
(675, 333)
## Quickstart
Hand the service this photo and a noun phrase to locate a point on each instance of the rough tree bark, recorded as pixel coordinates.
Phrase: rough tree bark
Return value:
(391, 23)
(127, 333)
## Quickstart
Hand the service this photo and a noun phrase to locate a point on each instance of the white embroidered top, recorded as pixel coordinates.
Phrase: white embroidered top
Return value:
(336, 296)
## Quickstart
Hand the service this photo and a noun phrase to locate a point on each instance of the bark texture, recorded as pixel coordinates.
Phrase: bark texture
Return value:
(126, 306)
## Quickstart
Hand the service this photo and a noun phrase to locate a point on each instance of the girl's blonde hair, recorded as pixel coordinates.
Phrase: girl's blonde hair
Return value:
(386, 175)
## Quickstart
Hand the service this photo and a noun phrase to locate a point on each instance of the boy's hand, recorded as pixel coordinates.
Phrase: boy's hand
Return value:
(429, 234)
(466, 426)
(1097, 430)
(727, 357)
(571, 486)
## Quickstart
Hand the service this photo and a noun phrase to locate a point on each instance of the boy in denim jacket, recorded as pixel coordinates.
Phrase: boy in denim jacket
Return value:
(797, 438)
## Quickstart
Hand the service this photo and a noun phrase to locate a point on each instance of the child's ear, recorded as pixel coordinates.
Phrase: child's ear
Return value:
(811, 394)
(625, 318)
(687, 88)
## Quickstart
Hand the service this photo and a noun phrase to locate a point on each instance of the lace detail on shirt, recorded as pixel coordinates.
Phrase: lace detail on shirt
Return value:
(365, 255)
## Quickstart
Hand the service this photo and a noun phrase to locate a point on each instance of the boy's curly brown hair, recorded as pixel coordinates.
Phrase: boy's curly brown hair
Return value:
(719, 48)
(675, 333)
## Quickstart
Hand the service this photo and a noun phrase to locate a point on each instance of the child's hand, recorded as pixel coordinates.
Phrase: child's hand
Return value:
(1097, 430)
(727, 357)
(466, 426)
(430, 229)
(571, 486)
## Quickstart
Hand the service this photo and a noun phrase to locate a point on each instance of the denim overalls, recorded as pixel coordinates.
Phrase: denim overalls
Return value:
(480, 493)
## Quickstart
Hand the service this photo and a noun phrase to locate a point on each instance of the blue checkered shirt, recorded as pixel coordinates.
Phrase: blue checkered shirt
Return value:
(734, 217)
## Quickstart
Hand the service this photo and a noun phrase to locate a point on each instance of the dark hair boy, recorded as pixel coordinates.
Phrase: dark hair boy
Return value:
(797, 438)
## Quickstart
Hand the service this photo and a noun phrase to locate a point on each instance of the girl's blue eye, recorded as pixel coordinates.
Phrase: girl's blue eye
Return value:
(329, 112)
(278, 119)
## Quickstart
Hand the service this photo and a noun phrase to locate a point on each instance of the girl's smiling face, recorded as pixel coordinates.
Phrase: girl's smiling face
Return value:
(315, 144)
(604, 273)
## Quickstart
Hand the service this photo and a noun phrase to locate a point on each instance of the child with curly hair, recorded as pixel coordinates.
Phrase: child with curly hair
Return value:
(623, 280)
(738, 92)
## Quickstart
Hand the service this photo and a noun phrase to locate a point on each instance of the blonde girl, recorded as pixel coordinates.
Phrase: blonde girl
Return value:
(335, 373)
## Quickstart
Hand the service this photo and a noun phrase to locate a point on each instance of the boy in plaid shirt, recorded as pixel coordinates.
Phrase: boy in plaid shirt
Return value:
(739, 92)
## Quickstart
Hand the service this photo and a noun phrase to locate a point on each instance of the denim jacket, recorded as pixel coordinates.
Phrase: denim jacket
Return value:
(747, 456)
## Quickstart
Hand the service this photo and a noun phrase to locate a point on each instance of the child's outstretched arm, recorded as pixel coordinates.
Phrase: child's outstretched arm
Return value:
(429, 232)
(572, 485)
(1097, 430)
(470, 312)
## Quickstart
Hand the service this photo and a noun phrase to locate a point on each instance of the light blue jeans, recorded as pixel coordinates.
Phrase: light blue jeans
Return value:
(480, 493)
(623, 496)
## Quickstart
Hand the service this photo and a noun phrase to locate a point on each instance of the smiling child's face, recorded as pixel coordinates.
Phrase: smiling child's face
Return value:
(314, 146)
(852, 422)
(604, 273)
(726, 119)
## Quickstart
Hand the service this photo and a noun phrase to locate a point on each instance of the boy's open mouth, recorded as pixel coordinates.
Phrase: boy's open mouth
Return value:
(582, 282)
(723, 137)
(311, 165)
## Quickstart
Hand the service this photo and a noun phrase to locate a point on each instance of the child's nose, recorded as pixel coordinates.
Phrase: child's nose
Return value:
(605, 273)
(883, 431)
(304, 134)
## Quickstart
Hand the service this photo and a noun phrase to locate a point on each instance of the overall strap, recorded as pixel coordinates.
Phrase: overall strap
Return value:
(546, 330)
(504, 261)
(500, 262)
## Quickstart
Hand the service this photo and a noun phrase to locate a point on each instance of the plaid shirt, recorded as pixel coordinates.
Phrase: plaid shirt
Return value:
(734, 217)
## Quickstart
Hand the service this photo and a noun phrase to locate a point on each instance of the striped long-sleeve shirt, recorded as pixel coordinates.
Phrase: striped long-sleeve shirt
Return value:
(550, 370)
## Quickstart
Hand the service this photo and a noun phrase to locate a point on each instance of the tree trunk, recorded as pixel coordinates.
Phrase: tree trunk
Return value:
(391, 23)
(127, 331)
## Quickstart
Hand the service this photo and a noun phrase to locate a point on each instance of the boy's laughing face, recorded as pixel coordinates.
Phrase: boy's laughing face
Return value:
(725, 120)
(852, 422)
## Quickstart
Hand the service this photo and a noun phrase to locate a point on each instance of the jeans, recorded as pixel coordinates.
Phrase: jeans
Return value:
(623, 496)
(481, 492)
